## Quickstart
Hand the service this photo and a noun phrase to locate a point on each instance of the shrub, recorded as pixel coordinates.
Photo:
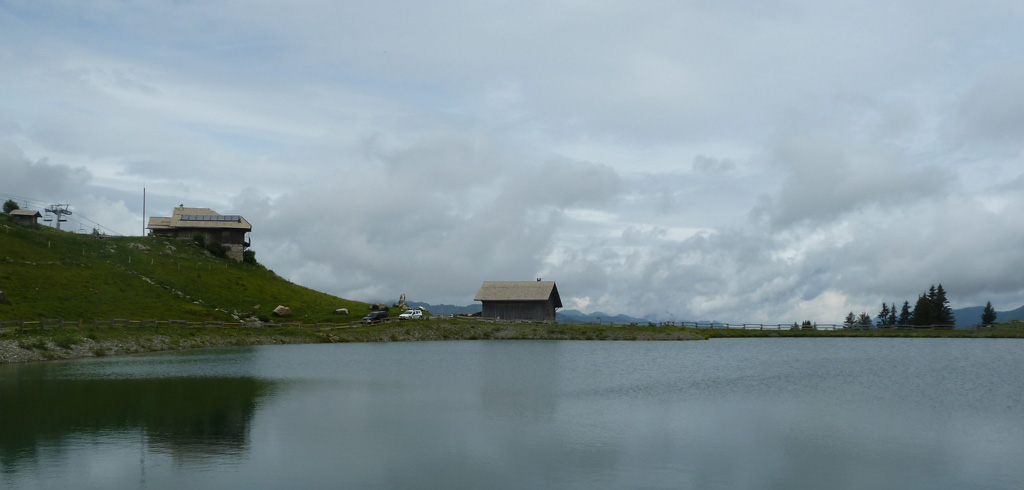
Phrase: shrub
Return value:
(36, 344)
(65, 342)
(217, 250)
(249, 257)
(200, 240)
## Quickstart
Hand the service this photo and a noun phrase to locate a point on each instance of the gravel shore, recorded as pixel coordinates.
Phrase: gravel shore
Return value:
(73, 344)
(40, 349)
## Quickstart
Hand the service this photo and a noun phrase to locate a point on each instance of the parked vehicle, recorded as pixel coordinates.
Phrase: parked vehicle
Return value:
(375, 317)
(411, 315)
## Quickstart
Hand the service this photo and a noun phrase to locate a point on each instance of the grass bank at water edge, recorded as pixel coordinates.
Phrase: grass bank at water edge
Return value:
(50, 344)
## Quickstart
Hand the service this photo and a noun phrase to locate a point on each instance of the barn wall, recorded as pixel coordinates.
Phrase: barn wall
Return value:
(536, 311)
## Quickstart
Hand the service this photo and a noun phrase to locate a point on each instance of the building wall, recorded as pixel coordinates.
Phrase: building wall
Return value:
(536, 311)
(234, 251)
(232, 240)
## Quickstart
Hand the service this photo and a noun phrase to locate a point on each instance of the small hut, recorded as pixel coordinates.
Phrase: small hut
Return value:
(519, 300)
(25, 216)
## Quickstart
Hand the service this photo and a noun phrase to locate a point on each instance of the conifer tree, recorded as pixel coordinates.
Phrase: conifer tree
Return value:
(905, 314)
(864, 321)
(891, 321)
(851, 320)
(988, 316)
(883, 316)
(941, 309)
(923, 314)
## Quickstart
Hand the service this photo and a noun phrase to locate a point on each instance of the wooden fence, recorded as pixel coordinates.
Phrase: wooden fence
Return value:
(737, 326)
(787, 326)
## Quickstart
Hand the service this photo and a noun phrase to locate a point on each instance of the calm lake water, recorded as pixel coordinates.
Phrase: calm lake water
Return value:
(721, 414)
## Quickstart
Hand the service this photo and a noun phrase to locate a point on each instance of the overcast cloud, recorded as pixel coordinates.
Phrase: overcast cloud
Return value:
(702, 160)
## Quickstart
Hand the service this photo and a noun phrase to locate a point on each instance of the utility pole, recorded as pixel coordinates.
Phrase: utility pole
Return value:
(60, 210)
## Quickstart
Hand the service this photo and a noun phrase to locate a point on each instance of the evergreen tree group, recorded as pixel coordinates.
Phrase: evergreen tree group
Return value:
(887, 316)
(931, 308)
(861, 322)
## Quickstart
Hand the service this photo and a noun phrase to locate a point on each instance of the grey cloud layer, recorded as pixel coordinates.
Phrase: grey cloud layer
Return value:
(734, 160)
(425, 220)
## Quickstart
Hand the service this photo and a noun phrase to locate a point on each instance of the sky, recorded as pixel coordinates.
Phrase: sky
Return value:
(727, 160)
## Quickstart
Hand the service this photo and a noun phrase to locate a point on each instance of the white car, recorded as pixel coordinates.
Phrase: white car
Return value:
(411, 315)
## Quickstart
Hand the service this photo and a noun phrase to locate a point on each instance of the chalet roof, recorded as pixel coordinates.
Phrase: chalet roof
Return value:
(25, 212)
(519, 291)
(207, 218)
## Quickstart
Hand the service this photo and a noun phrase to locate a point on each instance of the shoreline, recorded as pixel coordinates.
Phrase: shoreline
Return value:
(37, 349)
(50, 345)
(66, 344)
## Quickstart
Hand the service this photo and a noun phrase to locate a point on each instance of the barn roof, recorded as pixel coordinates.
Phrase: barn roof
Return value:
(198, 218)
(519, 291)
(25, 212)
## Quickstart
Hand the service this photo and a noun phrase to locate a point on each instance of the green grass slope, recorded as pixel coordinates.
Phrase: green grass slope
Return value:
(46, 273)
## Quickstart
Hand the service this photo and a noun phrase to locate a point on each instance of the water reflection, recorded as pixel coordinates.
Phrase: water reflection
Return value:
(514, 385)
(190, 417)
(734, 414)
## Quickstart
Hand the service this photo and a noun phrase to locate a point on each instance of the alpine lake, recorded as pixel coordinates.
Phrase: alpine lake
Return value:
(758, 413)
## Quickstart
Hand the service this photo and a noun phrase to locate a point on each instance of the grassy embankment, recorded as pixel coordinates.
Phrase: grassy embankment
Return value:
(46, 273)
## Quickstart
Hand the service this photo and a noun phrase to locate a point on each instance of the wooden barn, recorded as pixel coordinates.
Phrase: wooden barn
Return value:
(519, 300)
(25, 216)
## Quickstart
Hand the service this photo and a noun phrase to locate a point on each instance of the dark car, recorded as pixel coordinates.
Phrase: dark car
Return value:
(375, 317)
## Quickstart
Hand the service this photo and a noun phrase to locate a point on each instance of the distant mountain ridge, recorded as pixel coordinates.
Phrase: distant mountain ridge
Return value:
(971, 315)
(576, 316)
(446, 309)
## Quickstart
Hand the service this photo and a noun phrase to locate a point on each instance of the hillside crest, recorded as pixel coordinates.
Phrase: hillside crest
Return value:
(47, 273)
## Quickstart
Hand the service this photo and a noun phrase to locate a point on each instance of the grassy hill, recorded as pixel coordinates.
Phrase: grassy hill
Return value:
(46, 273)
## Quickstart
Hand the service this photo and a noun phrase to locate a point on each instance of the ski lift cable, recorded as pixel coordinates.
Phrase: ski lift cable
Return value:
(42, 205)
(27, 201)
(108, 229)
